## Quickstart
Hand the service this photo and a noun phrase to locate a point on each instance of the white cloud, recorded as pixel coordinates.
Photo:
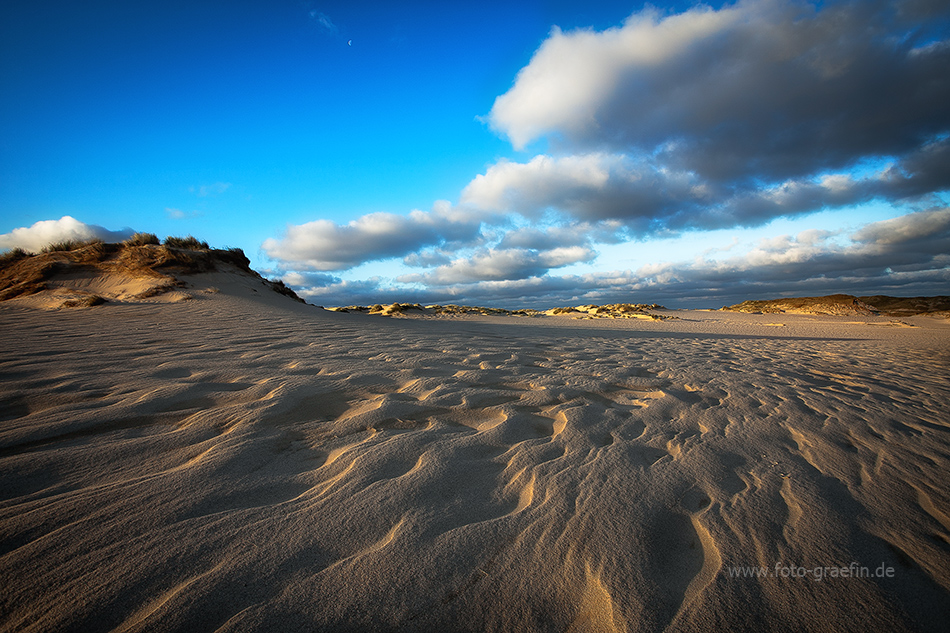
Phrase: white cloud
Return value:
(563, 88)
(309, 279)
(543, 181)
(35, 237)
(923, 226)
(592, 186)
(553, 237)
(325, 245)
(767, 90)
(649, 198)
(502, 264)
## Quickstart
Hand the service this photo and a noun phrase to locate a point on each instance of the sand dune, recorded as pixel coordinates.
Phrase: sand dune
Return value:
(237, 461)
(849, 305)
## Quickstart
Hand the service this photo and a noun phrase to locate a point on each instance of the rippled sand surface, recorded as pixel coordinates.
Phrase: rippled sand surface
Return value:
(233, 462)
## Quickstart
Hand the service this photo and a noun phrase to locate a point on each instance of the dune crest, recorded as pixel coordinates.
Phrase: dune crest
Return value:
(91, 273)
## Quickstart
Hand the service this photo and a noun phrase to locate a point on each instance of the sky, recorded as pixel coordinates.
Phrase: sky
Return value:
(529, 154)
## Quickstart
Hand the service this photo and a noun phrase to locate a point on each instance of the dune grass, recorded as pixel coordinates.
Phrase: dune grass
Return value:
(67, 246)
(142, 239)
(13, 256)
(189, 242)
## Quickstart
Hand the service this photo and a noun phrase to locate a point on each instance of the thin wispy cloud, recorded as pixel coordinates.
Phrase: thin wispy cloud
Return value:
(321, 20)
(203, 191)
(502, 264)
(324, 21)
(178, 214)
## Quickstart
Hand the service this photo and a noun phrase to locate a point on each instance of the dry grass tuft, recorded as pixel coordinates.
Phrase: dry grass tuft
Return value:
(69, 245)
(142, 239)
(13, 256)
(190, 243)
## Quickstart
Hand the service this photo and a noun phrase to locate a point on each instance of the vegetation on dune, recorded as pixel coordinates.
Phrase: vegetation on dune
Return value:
(905, 306)
(191, 243)
(12, 256)
(278, 285)
(235, 256)
(142, 239)
(69, 245)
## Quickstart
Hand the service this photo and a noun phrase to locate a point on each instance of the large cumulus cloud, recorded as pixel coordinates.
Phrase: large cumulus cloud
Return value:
(730, 117)
(762, 89)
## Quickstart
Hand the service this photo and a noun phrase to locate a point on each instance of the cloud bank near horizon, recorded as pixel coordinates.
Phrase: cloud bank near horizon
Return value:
(906, 256)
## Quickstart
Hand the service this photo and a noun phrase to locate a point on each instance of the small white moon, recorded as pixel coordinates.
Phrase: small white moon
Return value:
(349, 43)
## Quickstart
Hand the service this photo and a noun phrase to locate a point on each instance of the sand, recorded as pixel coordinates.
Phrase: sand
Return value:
(231, 460)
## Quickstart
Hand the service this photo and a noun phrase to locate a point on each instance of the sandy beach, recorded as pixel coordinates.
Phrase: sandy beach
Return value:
(222, 458)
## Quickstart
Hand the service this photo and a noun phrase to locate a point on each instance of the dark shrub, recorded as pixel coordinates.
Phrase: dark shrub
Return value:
(236, 257)
(278, 285)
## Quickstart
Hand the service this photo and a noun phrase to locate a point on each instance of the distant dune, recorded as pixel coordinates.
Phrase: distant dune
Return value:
(610, 311)
(197, 452)
(848, 305)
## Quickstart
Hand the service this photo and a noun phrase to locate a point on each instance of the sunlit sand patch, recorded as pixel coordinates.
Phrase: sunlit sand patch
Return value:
(712, 563)
(597, 611)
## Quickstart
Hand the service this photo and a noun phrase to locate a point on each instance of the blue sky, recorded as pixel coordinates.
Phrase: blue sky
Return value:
(496, 153)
